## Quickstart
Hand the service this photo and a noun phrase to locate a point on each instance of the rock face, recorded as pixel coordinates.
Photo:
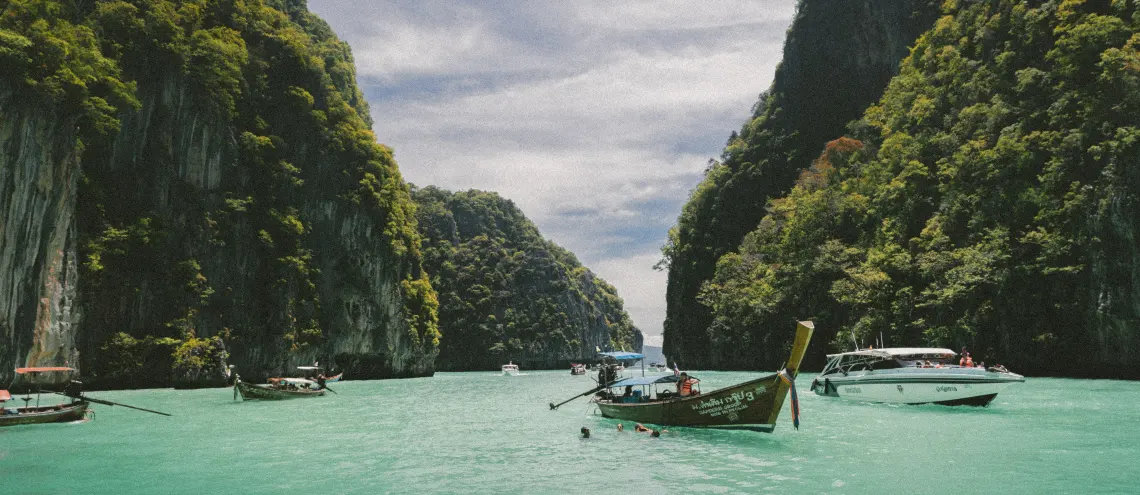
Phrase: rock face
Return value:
(1115, 274)
(988, 200)
(39, 173)
(239, 211)
(838, 57)
(507, 294)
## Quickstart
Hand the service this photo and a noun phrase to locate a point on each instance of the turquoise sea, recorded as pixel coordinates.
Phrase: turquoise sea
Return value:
(485, 433)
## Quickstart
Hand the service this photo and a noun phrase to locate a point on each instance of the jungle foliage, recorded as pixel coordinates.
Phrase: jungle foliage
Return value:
(838, 57)
(506, 293)
(988, 200)
(278, 89)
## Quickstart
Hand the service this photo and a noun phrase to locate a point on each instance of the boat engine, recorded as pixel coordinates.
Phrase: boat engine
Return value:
(74, 389)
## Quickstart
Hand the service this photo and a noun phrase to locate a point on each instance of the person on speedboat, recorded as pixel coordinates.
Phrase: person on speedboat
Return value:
(966, 361)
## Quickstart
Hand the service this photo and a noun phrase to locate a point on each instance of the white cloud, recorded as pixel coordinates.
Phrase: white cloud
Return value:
(597, 118)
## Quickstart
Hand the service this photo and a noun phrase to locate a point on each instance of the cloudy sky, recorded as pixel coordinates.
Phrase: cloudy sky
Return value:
(595, 117)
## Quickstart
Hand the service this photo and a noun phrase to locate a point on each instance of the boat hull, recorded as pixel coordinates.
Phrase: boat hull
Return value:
(750, 405)
(63, 413)
(960, 390)
(249, 391)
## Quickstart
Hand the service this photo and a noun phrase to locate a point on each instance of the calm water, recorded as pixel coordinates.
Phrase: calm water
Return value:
(484, 433)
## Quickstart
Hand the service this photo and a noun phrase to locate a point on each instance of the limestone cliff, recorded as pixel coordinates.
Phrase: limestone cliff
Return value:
(988, 200)
(39, 171)
(234, 206)
(838, 57)
(507, 294)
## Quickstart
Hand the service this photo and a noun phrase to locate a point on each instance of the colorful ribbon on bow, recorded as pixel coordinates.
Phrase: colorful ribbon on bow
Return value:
(795, 398)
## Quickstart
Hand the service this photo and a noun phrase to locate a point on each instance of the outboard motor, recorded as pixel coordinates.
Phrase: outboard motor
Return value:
(74, 389)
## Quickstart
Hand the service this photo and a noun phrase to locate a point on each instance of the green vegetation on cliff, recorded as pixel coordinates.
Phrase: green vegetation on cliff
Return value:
(838, 57)
(225, 151)
(506, 293)
(989, 200)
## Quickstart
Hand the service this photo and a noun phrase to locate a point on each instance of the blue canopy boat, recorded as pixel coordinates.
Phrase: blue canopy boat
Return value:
(752, 405)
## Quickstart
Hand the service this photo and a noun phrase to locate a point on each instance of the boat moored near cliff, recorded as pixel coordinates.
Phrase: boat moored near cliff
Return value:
(278, 389)
(910, 375)
(37, 414)
(74, 410)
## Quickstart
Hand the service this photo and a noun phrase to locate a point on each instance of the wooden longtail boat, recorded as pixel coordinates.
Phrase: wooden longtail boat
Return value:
(29, 414)
(752, 405)
(284, 388)
(60, 413)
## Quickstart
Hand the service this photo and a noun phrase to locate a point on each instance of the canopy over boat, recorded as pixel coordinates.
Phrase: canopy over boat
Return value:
(891, 352)
(309, 368)
(298, 381)
(622, 355)
(5, 396)
(645, 380)
(44, 369)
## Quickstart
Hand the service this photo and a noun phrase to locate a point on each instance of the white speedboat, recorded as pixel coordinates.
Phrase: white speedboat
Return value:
(511, 369)
(910, 375)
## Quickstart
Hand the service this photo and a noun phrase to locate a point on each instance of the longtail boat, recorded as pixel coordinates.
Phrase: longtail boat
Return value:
(752, 405)
(335, 378)
(74, 410)
(29, 414)
(277, 389)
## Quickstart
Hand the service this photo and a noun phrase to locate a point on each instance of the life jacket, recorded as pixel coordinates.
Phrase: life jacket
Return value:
(686, 387)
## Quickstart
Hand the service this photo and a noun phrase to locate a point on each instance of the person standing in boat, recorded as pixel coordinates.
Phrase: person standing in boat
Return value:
(966, 361)
(685, 385)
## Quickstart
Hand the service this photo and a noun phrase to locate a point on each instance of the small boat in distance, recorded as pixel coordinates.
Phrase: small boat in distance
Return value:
(277, 389)
(577, 369)
(910, 375)
(511, 369)
(751, 405)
